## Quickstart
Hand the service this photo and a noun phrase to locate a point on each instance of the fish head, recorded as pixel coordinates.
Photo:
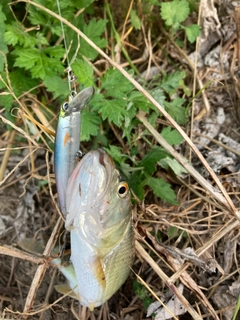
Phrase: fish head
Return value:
(97, 199)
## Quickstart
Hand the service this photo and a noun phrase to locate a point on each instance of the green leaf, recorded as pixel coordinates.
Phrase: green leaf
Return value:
(175, 109)
(113, 110)
(136, 185)
(15, 33)
(176, 167)
(159, 96)
(115, 84)
(84, 72)
(37, 16)
(116, 153)
(162, 189)
(56, 85)
(90, 124)
(174, 12)
(192, 32)
(54, 52)
(140, 101)
(151, 158)
(171, 136)
(172, 82)
(3, 47)
(38, 61)
(25, 84)
(26, 58)
(93, 31)
(6, 101)
(142, 292)
(135, 20)
(83, 3)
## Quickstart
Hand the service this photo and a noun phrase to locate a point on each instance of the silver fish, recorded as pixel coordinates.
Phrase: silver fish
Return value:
(99, 219)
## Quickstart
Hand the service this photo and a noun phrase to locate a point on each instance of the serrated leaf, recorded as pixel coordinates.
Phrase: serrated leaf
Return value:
(39, 64)
(116, 153)
(171, 136)
(39, 70)
(26, 58)
(192, 32)
(90, 123)
(15, 33)
(129, 125)
(167, 163)
(113, 110)
(115, 84)
(159, 96)
(83, 3)
(150, 160)
(56, 85)
(40, 39)
(136, 185)
(135, 20)
(175, 109)
(174, 12)
(6, 101)
(93, 31)
(36, 16)
(84, 72)
(171, 82)
(140, 101)
(24, 85)
(54, 52)
(3, 47)
(162, 189)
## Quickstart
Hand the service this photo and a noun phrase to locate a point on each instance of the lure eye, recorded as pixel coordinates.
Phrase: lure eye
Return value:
(123, 189)
(65, 106)
(73, 93)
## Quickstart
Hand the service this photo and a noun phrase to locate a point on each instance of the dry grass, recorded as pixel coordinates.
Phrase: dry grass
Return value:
(208, 211)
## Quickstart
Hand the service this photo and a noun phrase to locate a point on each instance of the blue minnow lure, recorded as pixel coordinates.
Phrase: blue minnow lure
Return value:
(67, 141)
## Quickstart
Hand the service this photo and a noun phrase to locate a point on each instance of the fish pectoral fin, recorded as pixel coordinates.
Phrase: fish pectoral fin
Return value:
(66, 290)
(98, 271)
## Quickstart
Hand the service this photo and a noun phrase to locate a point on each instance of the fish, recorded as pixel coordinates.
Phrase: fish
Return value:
(99, 218)
(67, 141)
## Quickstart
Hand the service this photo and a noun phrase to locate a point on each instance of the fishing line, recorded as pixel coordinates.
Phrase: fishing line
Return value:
(71, 76)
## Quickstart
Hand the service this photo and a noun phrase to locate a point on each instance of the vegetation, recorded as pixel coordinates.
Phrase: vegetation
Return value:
(141, 134)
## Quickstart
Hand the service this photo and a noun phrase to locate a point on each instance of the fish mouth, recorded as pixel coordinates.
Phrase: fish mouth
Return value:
(109, 166)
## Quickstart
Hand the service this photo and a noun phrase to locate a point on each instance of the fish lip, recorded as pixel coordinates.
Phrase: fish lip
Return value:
(106, 161)
(78, 102)
(103, 158)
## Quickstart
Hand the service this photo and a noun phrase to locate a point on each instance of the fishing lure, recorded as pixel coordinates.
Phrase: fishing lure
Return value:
(67, 141)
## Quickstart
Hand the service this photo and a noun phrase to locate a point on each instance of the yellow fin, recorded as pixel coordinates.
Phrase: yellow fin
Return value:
(91, 306)
(98, 271)
(66, 290)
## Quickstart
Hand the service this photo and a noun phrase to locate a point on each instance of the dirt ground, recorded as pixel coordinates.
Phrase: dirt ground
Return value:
(199, 244)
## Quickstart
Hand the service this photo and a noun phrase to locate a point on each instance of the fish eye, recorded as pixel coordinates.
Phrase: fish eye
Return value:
(123, 189)
(65, 106)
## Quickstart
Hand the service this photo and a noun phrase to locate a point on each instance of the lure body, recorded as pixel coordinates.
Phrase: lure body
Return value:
(100, 221)
(67, 142)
